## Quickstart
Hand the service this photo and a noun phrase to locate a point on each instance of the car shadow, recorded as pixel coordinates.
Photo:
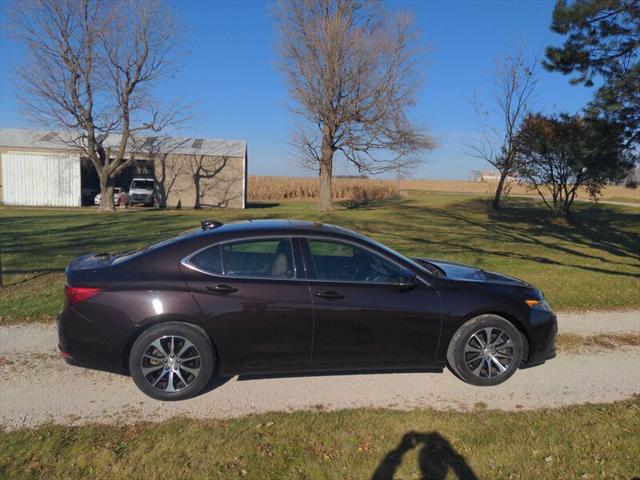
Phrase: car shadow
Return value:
(436, 458)
(215, 382)
(329, 373)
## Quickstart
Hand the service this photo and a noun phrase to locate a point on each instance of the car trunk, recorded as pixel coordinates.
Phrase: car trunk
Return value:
(80, 269)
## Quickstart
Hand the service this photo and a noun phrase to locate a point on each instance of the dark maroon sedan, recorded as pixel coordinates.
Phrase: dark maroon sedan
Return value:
(281, 297)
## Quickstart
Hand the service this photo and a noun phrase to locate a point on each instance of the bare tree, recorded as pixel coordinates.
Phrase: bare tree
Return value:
(351, 71)
(514, 81)
(90, 68)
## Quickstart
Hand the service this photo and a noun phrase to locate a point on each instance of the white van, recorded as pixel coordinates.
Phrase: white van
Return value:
(141, 191)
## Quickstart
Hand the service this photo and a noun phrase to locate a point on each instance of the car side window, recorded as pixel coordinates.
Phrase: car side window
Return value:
(268, 258)
(208, 260)
(338, 261)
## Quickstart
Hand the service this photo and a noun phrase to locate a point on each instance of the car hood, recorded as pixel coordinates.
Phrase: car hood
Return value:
(457, 271)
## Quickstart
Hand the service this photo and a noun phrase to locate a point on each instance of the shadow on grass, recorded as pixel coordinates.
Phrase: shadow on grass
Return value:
(371, 204)
(591, 226)
(607, 237)
(526, 223)
(436, 457)
(32, 273)
(262, 205)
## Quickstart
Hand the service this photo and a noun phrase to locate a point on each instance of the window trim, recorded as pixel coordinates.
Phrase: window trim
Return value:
(303, 271)
(186, 261)
(307, 256)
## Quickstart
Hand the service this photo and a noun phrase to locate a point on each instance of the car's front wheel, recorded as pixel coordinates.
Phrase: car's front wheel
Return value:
(172, 361)
(485, 351)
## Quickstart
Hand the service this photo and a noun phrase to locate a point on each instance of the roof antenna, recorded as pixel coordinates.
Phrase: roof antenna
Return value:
(209, 224)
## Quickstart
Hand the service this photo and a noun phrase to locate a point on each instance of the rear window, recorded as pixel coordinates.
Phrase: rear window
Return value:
(124, 256)
(142, 184)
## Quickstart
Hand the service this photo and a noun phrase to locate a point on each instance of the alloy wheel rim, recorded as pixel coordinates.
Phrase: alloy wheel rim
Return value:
(489, 353)
(170, 363)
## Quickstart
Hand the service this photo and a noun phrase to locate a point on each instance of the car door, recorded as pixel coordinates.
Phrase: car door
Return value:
(363, 316)
(257, 309)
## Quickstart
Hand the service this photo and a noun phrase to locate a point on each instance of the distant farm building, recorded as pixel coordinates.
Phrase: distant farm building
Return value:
(40, 168)
(488, 176)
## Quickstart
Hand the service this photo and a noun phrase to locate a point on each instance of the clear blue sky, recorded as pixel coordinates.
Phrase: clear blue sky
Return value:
(230, 76)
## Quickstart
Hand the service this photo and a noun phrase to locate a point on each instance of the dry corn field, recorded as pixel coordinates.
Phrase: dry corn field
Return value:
(306, 188)
(267, 188)
(613, 192)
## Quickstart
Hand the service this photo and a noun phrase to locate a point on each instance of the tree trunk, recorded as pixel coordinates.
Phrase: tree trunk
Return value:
(106, 194)
(560, 205)
(561, 210)
(159, 188)
(565, 207)
(160, 196)
(196, 184)
(498, 196)
(324, 194)
(160, 193)
(326, 173)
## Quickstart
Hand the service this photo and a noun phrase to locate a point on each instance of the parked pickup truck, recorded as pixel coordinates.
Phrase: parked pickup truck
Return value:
(141, 191)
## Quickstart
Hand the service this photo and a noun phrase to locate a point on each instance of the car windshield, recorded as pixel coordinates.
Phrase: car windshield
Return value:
(142, 184)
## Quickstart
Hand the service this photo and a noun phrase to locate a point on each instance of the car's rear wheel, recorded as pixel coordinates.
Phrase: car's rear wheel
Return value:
(485, 351)
(172, 361)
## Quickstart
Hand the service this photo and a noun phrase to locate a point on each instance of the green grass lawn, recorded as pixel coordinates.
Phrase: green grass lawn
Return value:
(589, 441)
(590, 263)
(624, 199)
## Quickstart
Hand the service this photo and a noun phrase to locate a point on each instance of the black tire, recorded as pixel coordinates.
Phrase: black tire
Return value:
(185, 357)
(498, 359)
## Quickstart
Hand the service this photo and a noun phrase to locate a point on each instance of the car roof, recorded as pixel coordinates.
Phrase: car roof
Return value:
(276, 226)
(214, 232)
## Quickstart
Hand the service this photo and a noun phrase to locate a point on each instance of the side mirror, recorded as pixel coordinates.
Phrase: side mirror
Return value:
(406, 280)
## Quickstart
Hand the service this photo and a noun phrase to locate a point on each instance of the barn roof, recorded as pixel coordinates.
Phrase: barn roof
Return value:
(54, 140)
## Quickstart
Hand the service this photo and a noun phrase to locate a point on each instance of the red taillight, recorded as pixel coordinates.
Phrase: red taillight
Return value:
(79, 294)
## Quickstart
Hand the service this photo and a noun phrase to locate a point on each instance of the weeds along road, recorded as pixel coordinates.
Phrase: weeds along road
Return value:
(37, 386)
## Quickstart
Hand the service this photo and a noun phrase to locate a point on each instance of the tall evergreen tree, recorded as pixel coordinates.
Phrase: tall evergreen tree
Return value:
(602, 47)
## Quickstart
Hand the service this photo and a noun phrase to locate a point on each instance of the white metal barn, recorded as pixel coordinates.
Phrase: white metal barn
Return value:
(40, 168)
(36, 172)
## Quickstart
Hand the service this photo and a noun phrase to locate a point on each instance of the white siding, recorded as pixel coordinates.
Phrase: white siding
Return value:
(41, 179)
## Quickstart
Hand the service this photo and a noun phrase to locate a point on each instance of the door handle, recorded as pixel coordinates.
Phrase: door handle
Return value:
(330, 295)
(222, 288)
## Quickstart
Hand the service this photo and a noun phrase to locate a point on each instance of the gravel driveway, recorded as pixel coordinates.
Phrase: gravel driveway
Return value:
(38, 387)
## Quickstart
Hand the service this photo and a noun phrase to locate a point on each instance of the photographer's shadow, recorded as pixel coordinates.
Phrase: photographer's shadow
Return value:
(436, 457)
